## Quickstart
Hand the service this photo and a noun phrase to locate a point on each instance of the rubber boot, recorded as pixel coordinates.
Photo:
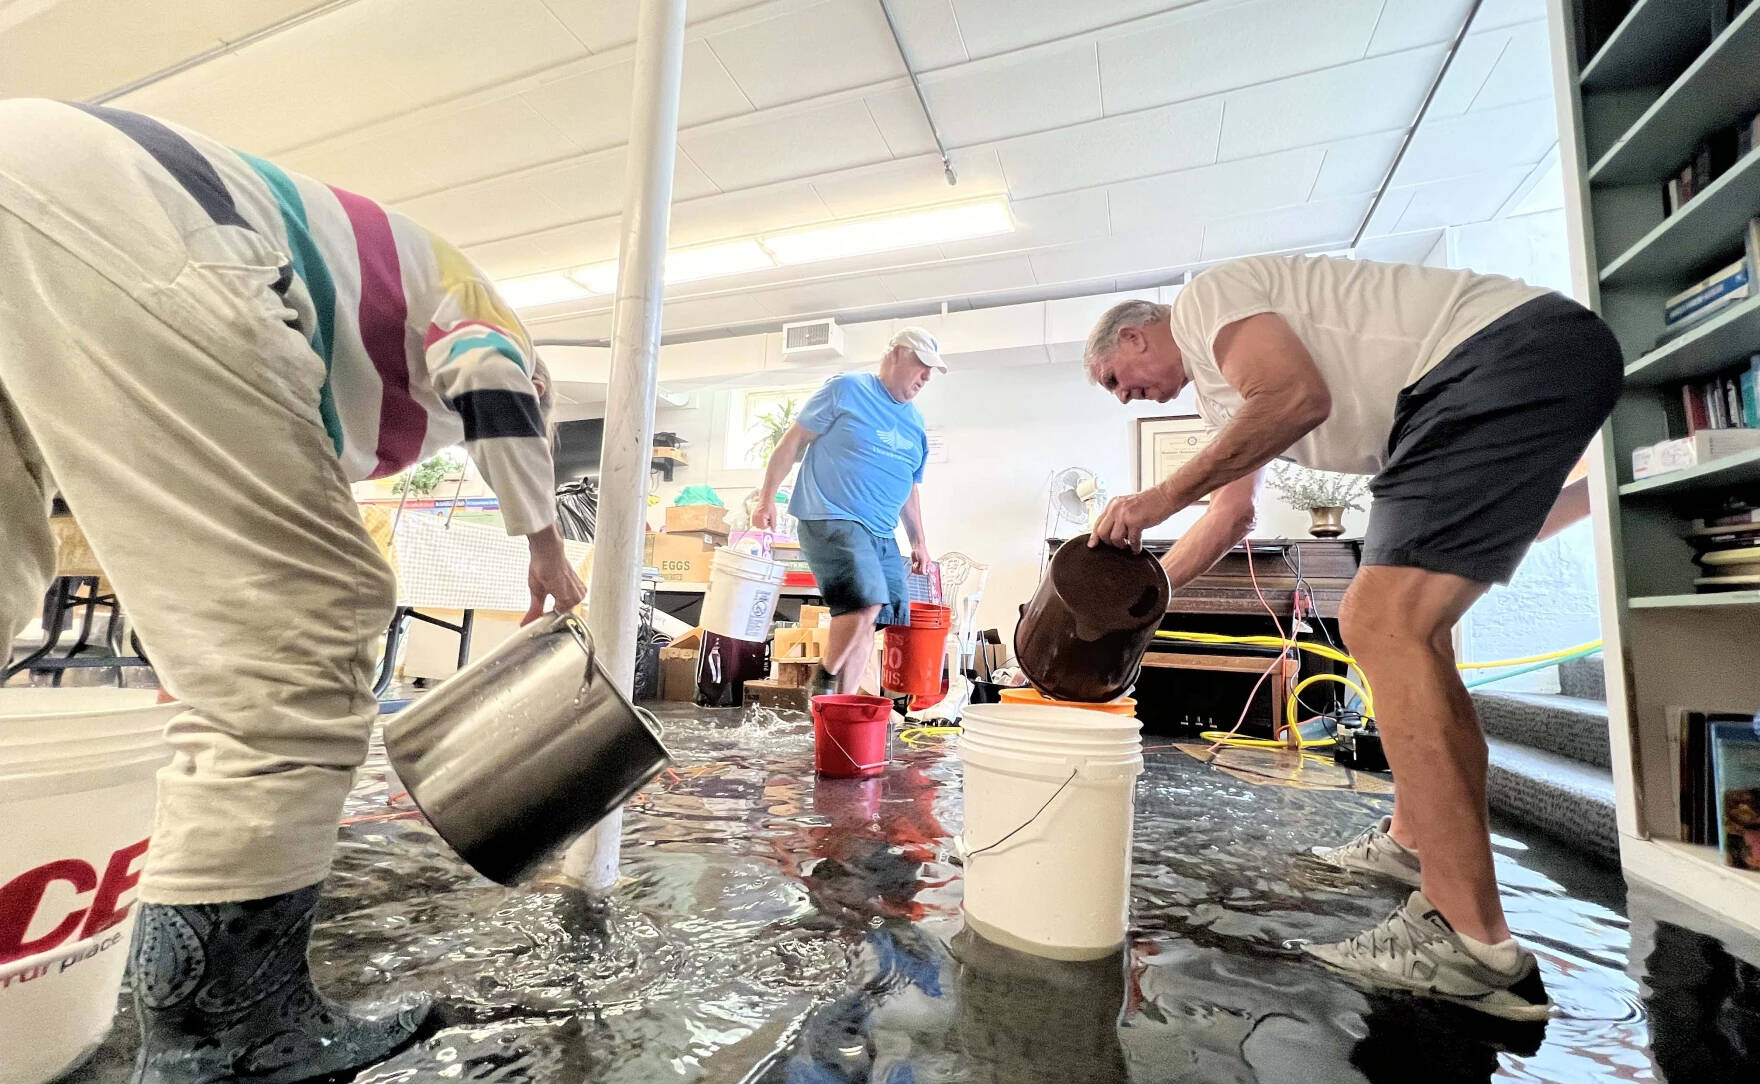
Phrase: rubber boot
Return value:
(223, 993)
(822, 683)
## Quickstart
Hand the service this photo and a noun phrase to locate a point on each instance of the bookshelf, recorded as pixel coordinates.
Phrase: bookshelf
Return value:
(1664, 80)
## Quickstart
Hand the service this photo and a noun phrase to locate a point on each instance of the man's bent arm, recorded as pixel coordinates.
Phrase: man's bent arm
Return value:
(1229, 519)
(1284, 399)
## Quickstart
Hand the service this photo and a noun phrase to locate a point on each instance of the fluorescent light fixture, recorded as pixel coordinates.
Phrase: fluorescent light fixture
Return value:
(935, 226)
(686, 265)
(540, 290)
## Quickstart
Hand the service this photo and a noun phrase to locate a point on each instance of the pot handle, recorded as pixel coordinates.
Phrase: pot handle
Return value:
(650, 721)
(578, 630)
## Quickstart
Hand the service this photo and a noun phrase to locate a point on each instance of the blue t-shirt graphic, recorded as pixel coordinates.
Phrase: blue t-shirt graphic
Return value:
(869, 451)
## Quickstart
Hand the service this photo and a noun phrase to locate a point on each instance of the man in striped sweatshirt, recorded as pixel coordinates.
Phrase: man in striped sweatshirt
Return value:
(200, 352)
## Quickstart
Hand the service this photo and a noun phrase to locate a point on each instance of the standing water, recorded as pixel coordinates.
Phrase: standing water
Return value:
(775, 928)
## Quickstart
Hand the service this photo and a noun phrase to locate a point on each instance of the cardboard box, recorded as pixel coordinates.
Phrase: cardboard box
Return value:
(681, 557)
(1700, 448)
(697, 517)
(814, 617)
(777, 696)
(678, 667)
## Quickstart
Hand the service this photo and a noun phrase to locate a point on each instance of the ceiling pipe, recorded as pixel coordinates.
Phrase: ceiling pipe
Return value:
(946, 163)
(1412, 130)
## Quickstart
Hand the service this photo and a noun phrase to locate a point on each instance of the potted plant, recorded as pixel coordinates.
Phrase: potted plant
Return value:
(1323, 494)
(772, 426)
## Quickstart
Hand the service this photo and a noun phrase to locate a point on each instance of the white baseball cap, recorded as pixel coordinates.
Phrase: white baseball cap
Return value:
(922, 344)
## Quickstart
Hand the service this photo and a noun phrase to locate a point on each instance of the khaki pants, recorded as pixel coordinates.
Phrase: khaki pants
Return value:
(178, 415)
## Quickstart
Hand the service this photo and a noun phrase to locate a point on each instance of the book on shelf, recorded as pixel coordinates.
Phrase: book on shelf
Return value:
(1705, 446)
(1730, 400)
(1735, 279)
(1691, 770)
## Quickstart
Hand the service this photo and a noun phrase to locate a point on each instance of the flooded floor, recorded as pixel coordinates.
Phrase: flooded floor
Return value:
(775, 927)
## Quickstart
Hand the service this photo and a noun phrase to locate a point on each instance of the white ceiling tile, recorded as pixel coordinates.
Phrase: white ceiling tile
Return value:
(1321, 107)
(1523, 73)
(993, 100)
(606, 24)
(916, 182)
(741, 214)
(1388, 212)
(1307, 226)
(995, 26)
(1407, 25)
(1546, 193)
(1508, 12)
(1479, 140)
(831, 295)
(930, 32)
(960, 279)
(576, 191)
(593, 186)
(501, 207)
(902, 124)
(1459, 200)
(379, 60)
(786, 145)
(593, 107)
(76, 49)
(1141, 251)
(690, 313)
(401, 159)
(1195, 196)
(1044, 222)
(556, 249)
(1113, 148)
(1207, 49)
(1357, 165)
(807, 52)
(1399, 247)
(1467, 75)
(593, 325)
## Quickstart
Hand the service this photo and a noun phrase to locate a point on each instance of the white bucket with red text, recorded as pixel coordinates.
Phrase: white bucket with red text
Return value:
(76, 795)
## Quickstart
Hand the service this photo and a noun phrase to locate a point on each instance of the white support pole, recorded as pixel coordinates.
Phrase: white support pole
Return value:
(613, 600)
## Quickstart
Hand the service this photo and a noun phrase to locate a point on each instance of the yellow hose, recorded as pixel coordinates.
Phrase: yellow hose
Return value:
(924, 735)
(1326, 651)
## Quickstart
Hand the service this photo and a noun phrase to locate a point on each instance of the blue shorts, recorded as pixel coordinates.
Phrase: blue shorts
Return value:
(855, 568)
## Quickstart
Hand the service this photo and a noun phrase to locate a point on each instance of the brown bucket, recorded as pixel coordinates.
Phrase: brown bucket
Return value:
(1083, 635)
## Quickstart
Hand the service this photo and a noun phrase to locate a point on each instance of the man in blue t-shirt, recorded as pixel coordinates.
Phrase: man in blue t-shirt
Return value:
(865, 449)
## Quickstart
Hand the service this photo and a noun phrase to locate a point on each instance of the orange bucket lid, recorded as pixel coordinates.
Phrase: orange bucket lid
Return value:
(1026, 694)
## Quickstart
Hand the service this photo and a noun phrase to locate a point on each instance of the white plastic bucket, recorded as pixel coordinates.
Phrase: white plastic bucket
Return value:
(1049, 803)
(77, 794)
(742, 594)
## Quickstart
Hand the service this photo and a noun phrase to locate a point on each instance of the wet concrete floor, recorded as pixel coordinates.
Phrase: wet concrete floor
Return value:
(777, 928)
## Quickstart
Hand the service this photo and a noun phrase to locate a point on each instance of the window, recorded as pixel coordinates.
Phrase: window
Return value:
(757, 421)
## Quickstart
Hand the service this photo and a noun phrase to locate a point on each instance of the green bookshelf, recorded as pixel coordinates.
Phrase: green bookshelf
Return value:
(1629, 119)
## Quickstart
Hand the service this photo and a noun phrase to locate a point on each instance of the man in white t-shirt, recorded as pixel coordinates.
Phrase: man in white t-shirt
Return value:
(1469, 398)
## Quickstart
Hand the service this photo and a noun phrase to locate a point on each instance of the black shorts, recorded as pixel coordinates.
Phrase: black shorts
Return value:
(1482, 444)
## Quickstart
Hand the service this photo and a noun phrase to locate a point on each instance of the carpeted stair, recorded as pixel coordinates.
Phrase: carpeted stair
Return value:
(1549, 758)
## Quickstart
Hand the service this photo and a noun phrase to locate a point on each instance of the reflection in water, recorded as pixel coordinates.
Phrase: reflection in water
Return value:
(776, 928)
(1704, 1008)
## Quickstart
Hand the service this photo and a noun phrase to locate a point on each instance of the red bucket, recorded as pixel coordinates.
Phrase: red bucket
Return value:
(913, 658)
(849, 734)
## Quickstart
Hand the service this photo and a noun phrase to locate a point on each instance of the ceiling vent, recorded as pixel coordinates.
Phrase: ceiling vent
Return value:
(812, 340)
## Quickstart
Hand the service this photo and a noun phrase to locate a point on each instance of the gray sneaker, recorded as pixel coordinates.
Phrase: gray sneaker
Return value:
(1417, 950)
(1373, 851)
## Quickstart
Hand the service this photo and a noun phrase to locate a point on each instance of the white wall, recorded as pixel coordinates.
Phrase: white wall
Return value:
(1006, 431)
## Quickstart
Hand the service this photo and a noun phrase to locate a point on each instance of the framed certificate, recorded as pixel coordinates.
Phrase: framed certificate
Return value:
(1164, 445)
